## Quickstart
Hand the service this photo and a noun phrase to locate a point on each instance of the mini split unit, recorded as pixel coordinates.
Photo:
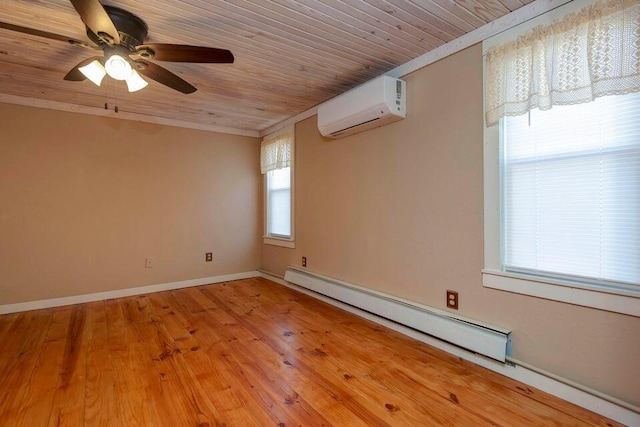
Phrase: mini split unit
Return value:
(373, 104)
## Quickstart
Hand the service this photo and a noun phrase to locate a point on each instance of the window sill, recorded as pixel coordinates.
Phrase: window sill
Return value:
(624, 302)
(285, 243)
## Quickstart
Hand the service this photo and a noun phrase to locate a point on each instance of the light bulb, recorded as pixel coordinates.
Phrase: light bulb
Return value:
(135, 82)
(118, 68)
(94, 71)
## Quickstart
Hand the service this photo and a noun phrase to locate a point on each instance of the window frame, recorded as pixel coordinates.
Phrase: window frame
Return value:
(494, 276)
(276, 240)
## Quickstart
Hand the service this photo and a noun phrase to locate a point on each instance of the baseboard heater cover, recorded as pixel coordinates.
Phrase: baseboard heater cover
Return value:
(490, 341)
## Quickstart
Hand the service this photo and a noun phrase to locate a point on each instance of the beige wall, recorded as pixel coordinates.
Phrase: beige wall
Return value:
(84, 200)
(399, 209)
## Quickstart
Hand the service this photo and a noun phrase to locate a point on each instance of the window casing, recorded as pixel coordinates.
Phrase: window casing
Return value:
(509, 263)
(563, 222)
(277, 166)
(278, 183)
(571, 192)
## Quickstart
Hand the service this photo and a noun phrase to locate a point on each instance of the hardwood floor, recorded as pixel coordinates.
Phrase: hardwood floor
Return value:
(245, 353)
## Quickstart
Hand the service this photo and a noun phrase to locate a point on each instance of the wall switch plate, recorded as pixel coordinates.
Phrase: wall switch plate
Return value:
(304, 261)
(452, 299)
(208, 257)
(148, 263)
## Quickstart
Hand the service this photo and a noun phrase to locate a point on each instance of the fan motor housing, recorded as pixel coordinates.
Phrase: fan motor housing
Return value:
(132, 29)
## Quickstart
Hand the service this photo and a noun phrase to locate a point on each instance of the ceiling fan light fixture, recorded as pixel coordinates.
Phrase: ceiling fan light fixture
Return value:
(118, 68)
(135, 82)
(94, 71)
(120, 34)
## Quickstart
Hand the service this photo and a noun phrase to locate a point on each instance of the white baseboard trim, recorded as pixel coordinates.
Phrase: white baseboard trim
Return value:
(530, 377)
(101, 296)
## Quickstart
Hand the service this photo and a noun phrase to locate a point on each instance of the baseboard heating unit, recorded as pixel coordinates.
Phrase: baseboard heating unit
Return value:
(475, 336)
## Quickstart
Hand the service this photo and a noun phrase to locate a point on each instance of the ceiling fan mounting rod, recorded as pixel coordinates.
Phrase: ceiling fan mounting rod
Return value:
(116, 50)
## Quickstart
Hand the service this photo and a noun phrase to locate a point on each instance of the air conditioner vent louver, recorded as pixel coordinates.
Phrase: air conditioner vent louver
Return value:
(374, 104)
(344, 130)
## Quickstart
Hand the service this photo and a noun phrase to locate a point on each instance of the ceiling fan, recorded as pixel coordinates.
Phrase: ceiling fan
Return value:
(120, 35)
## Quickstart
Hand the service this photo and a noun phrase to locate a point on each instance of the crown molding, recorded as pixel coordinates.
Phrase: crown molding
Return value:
(72, 108)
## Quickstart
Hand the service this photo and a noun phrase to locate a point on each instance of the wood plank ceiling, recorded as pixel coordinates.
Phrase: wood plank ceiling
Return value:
(289, 54)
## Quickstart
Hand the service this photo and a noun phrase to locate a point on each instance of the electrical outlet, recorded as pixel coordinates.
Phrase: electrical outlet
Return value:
(452, 299)
(208, 257)
(148, 263)
(304, 261)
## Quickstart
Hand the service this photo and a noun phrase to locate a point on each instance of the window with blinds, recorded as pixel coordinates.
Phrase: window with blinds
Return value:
(570, 192)
(279, 203)
(276, 163)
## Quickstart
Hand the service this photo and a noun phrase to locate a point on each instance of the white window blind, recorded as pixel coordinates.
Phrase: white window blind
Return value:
(571, 191)
(279, 203)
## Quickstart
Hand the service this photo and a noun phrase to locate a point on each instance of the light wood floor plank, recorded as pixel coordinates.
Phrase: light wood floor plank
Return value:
(123, 360)
(143, 360)
(215, 377)
(181, 367)
(455, 388)
(5, 323)
(32, 403)
(504, 399)
(264, 392)
(227, 343)
(337, 406)
(352, 366)
(100, 397)
(246, 353)
(19, 354)
(68, 402)
(161, 383)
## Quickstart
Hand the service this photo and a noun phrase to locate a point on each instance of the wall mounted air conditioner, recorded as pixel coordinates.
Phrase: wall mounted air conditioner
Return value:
(373, 104)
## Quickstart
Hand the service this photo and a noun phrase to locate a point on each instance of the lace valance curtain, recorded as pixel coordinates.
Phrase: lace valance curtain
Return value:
(275, 152)
(590, 53)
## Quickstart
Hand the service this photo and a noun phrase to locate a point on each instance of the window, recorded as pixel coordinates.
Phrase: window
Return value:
(276, 163)
(562, 158)
(279, 203)
(571, 192)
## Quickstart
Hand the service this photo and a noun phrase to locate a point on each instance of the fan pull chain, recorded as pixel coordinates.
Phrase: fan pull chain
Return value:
(115, 108)
(106, 96)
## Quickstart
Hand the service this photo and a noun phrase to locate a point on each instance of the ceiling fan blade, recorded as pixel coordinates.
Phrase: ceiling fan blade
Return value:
(186, 53)
(96, 18)
(39, 33)
(75, 75)
(164, 76)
